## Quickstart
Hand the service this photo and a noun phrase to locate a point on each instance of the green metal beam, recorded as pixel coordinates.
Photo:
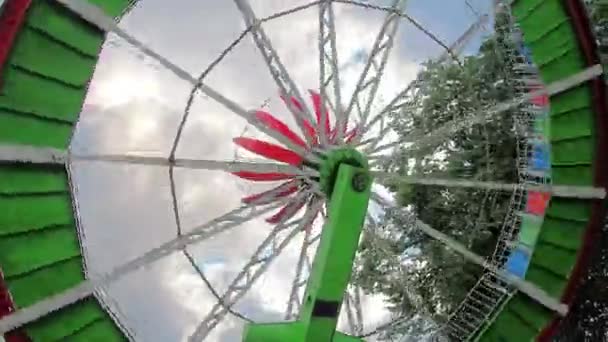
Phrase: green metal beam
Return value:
(331, 269)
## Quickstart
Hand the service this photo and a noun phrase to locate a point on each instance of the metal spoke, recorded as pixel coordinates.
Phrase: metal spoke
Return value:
(299, 281)
(31, 154)
(198, 164)
(523, 286)
(97, 17)
(278, 71)
(461, 42)
(354, 315)
(555, 190)
(219, 299)
(368, 83)
(329, 70)
(256, 266)
(399, 101)
(442, 133)
(87, 288)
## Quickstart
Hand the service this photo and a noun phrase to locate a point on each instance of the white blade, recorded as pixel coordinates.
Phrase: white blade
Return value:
(442, 133)
(556, 190)
(198, 164)
(257, 265)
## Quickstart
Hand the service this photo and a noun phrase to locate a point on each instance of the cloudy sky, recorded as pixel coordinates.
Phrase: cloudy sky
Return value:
(134, 106)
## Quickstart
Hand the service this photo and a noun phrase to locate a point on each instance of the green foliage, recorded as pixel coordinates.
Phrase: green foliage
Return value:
(421, 277)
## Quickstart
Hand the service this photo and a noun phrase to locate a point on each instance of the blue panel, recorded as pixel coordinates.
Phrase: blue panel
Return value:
(518, 262)
(540, 159)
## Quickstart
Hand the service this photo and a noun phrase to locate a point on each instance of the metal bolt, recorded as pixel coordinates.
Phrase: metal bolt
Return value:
(359, 182)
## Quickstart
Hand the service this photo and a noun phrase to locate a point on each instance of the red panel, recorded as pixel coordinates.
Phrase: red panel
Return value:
(278, 126)
(11, 20)
(284, 189)
(541, 100)
(269, 150)
(262, 177)
(537, 202)
(6, 308)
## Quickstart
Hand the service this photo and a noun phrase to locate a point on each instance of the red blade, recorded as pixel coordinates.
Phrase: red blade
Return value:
(262, 177)
(282, 190)
(350, 135)
(294, 101)
(278, 126)
(316, 101)
(287, 212)
(310, 131)
(269, 150)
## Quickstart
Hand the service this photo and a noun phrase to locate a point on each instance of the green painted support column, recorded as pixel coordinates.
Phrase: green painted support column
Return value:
(331, 269)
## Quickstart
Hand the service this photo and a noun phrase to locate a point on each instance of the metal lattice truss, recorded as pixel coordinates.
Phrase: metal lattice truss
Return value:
(329, 75)
(284, 232)
(369, 81)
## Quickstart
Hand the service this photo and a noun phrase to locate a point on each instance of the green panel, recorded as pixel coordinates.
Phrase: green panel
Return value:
(562, 66)
(572, 152)
(112, 7)
(571, 99)
(57, 101)
(66, 321)
(569, 209)
(573, 124)
(26, 129)
(534, 314)
(548, 281)
(563, 233)
(59, 23)
(523, 9)
(510, 328)
(101, 331)
(31, 212)
(543, 126)
(26, 54)
(530, 229)
(553, 43)
(490, 335)
(23, 253)
(554, 258)
(26, 290)
(22, 179)
(572, 175)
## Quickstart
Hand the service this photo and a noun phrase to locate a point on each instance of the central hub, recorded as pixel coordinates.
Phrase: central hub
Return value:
(328, 169)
